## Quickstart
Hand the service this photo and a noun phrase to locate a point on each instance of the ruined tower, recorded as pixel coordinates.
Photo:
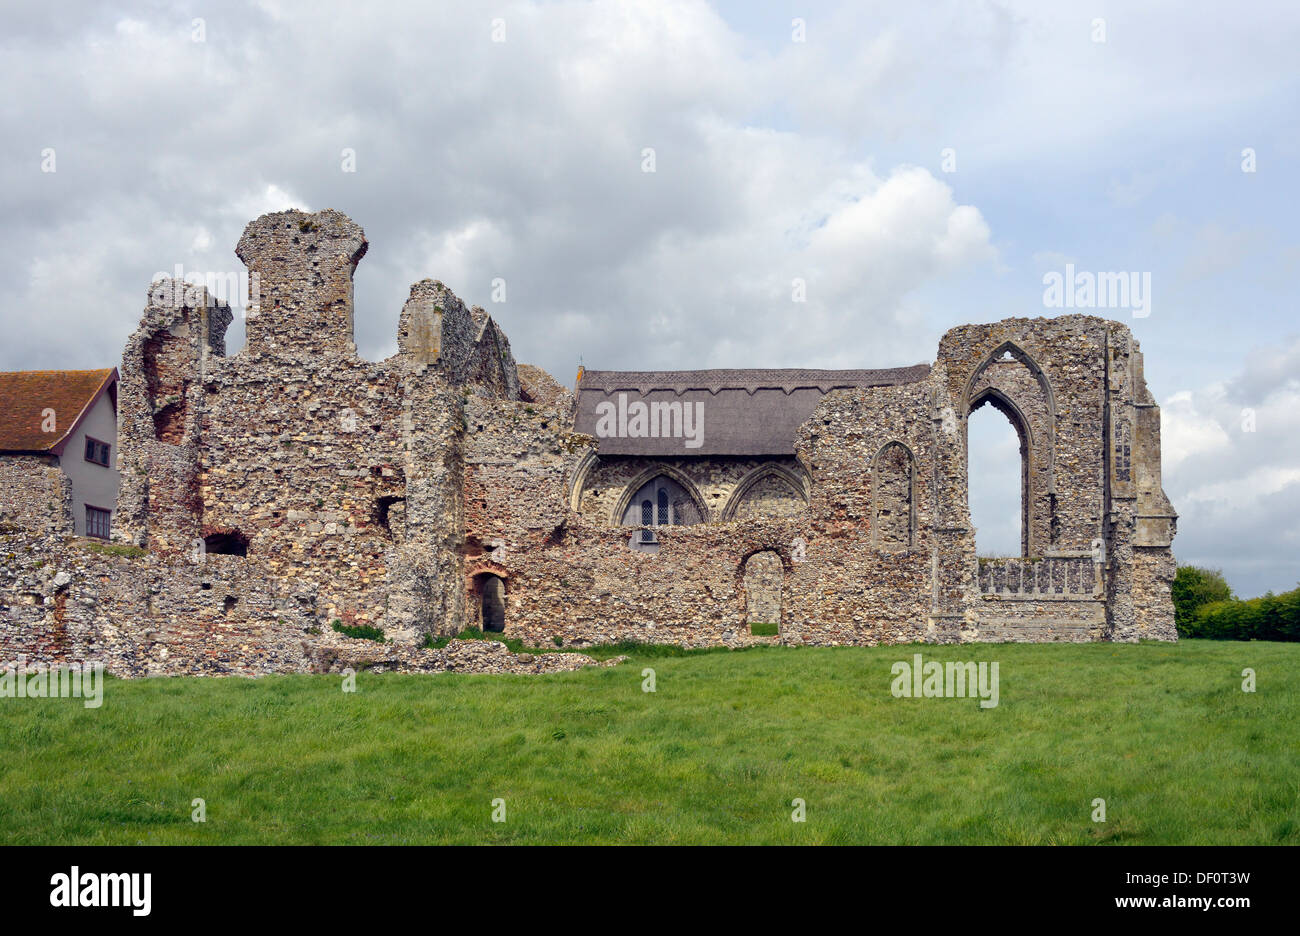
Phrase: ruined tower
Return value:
(302, 264)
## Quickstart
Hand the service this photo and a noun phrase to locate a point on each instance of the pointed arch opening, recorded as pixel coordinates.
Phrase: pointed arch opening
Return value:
(767, 491)
(665, 499)
(997, 457)
(1014, 512)
(762, 578)
(893, 498)
(489, 592)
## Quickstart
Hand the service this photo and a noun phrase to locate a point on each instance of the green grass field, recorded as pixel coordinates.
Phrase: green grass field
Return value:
(1163, 733)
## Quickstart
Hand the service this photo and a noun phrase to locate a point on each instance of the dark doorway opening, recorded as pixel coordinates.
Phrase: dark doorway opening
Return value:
(494, 604)
(232, 543)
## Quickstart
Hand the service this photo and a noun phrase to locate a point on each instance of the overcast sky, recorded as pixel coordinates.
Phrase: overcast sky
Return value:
(917, 165)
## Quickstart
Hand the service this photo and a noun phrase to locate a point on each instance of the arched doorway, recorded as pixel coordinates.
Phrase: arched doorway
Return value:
(492, 609)
(762, 577)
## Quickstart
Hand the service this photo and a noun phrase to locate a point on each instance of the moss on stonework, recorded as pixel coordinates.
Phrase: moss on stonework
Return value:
(114, 549)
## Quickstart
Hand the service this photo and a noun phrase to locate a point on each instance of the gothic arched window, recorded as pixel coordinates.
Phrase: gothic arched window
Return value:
(659, 502)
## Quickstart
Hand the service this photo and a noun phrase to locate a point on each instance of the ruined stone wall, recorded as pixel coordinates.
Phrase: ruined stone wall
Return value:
(465, 345)
(296, 461)
(302, 265)
(1073, 386)
(859, 446)
(333, 480)
(141, 615)
(272, 493)
(1153, 607)
(160, 401)
(537, 386)
(1065, 411)
(36, 494)
(571, 577)
(884, 550)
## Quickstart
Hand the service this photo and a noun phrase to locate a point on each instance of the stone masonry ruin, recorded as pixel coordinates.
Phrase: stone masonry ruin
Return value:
(271, 494)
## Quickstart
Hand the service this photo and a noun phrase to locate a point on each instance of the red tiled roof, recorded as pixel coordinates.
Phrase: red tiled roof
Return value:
(25, 396)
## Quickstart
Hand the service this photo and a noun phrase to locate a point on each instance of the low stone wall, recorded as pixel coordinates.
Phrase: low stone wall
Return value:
(1015, 619)
(64, 600)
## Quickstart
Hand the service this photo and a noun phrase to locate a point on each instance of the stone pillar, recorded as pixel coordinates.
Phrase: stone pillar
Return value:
(951, 537)
(300, 276)
(419, 327)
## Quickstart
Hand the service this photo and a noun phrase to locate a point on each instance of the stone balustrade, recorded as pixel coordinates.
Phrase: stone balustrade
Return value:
(1073, 576)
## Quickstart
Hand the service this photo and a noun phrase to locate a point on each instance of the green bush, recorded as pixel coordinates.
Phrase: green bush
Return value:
(1269, 617)
(1193, 588)
(361, 631)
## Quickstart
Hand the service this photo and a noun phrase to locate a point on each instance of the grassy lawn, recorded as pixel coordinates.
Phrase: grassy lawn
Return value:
(716, 755)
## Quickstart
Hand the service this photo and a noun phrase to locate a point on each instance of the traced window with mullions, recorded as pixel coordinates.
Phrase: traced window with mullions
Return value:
(660, 502)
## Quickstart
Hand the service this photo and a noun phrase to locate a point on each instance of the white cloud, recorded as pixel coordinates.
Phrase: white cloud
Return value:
(1231, 459)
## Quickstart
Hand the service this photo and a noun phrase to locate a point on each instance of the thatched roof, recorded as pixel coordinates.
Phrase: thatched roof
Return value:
(745, 412)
